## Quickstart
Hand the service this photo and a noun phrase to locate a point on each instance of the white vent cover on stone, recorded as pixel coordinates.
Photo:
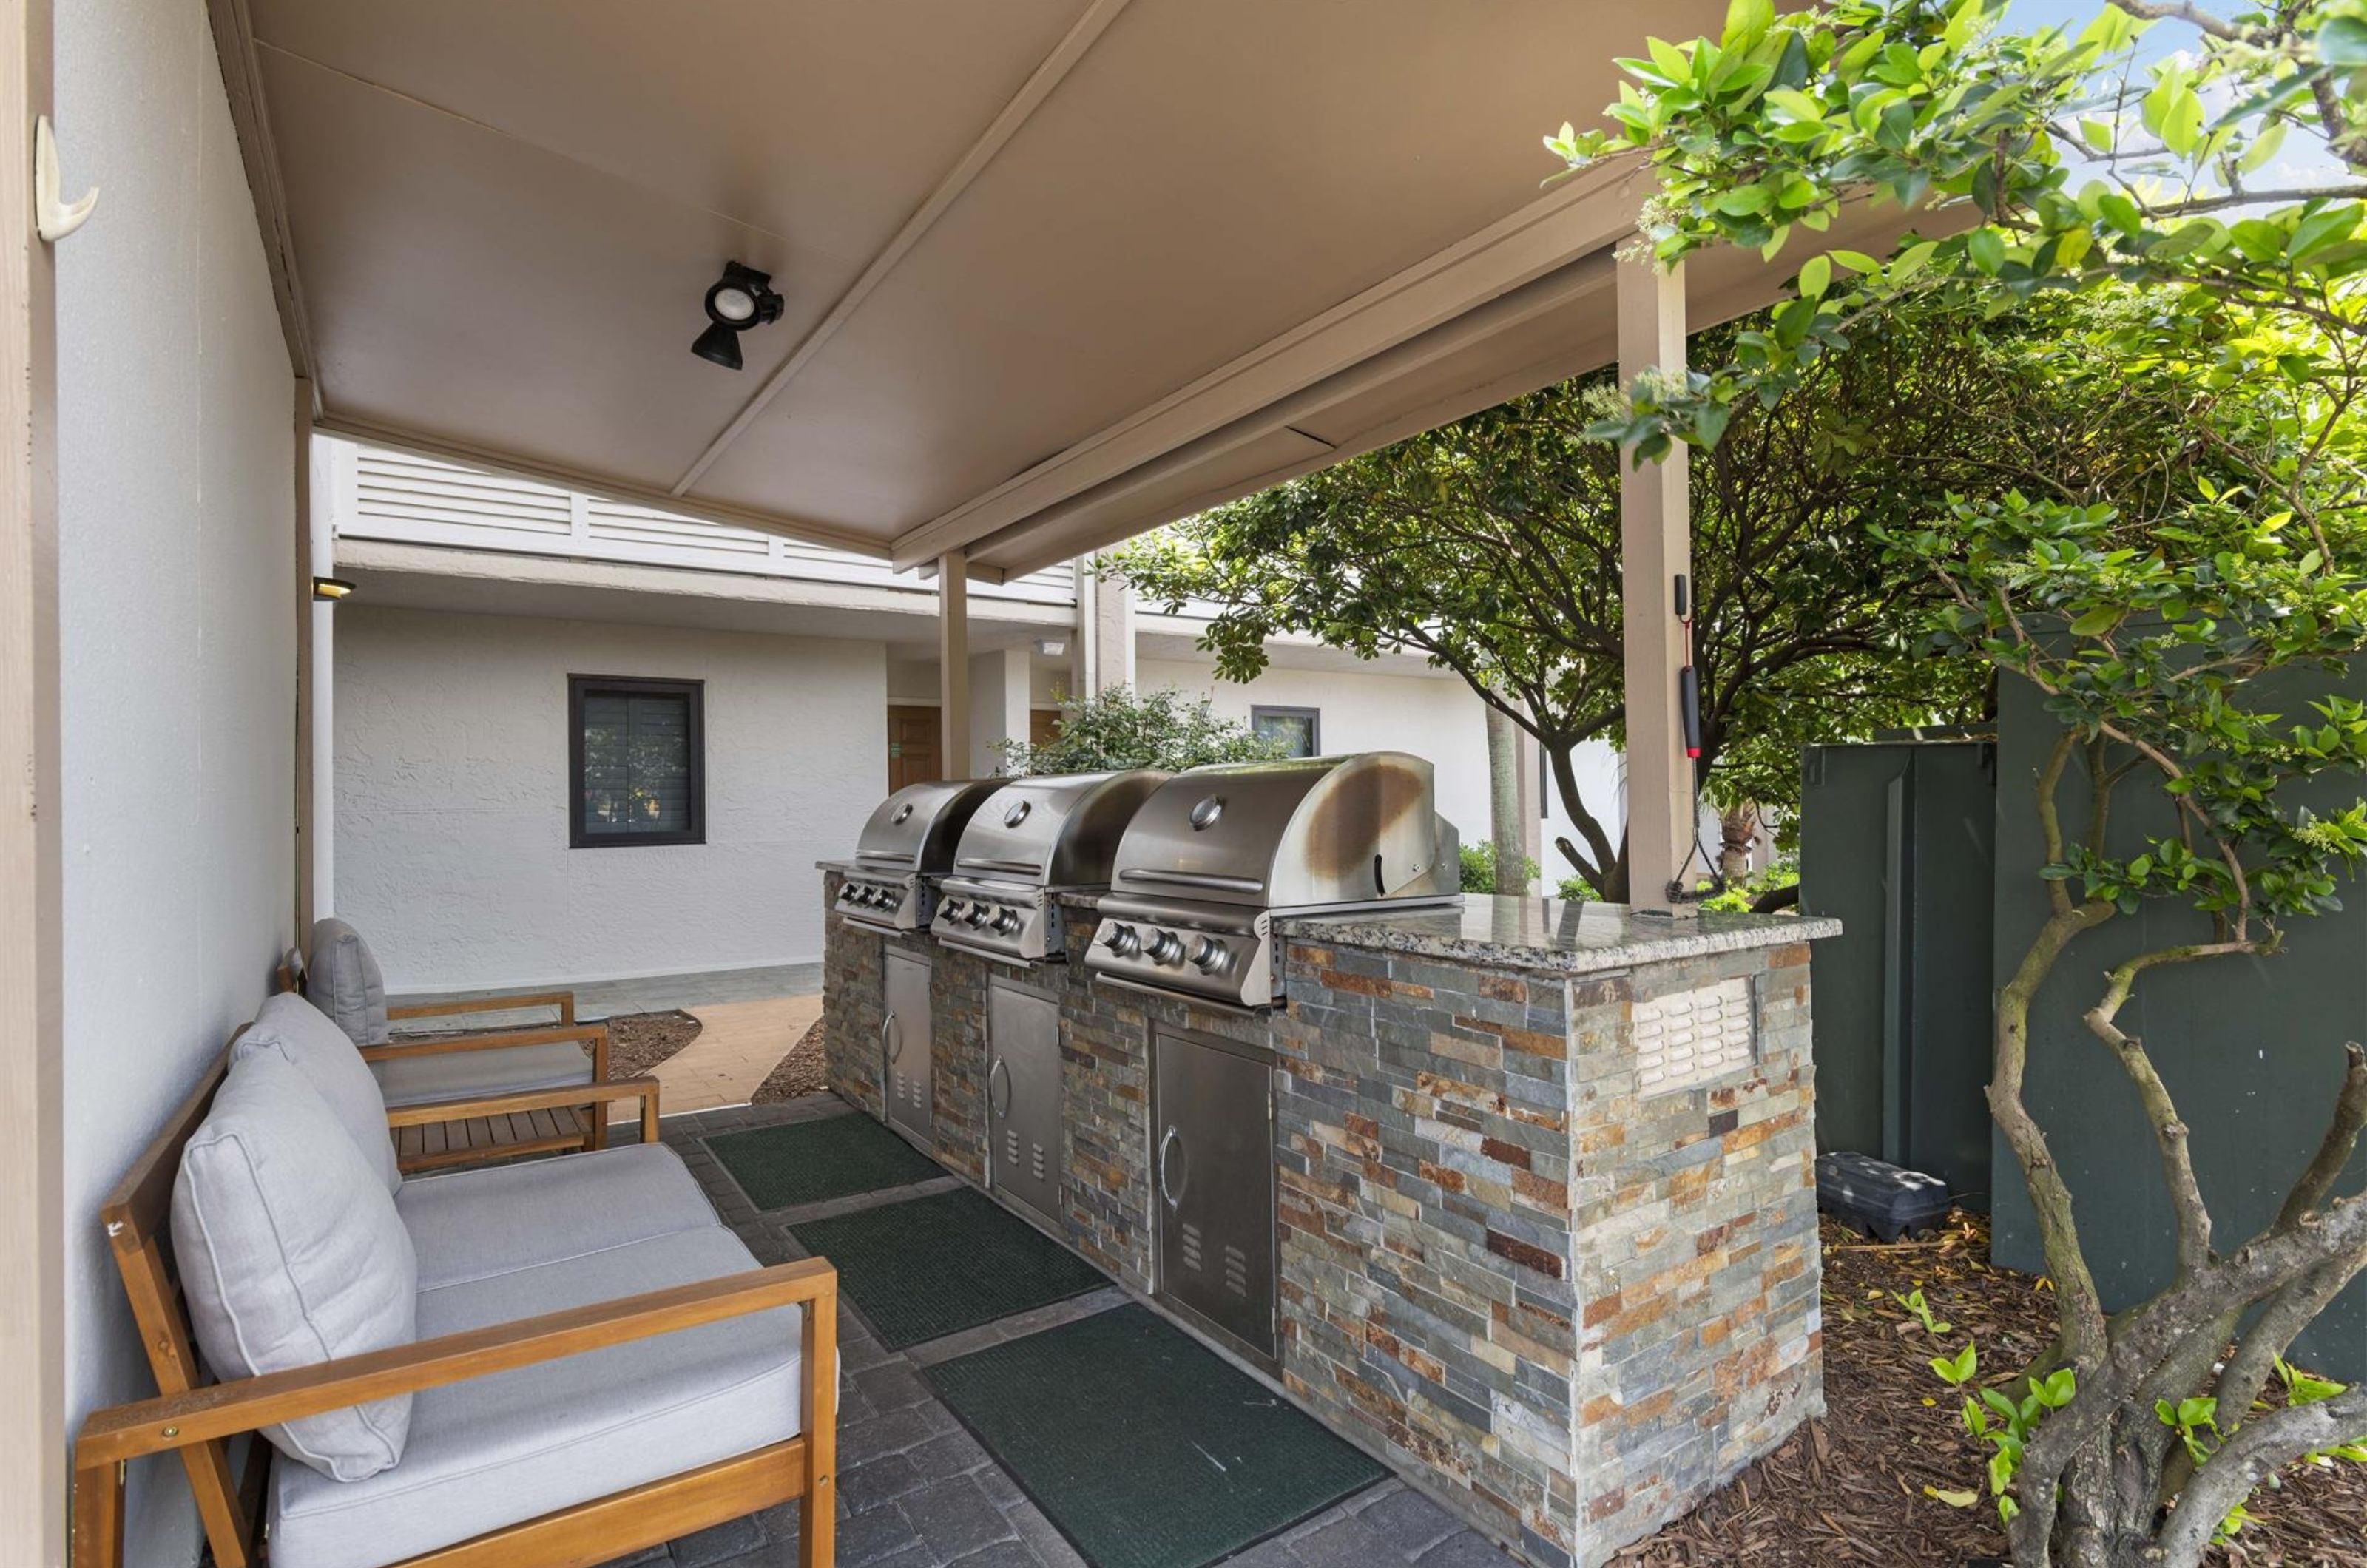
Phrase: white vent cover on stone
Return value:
(1688, 1037)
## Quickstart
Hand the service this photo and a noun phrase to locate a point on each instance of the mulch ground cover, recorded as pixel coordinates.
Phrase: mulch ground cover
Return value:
(640, 1040)
(801, 1072)
(1849, 1488)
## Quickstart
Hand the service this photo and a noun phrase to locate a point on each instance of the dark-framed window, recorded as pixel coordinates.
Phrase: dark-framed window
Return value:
(636, 762)
(1300, 730)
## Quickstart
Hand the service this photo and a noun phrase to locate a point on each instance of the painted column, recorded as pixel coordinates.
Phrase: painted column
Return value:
(1111, 631)
(1656, 549)
(998, 704)
(953, 659)
(328, 466)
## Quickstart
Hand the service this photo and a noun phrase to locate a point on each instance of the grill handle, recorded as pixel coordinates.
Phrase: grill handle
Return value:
(1194, 879)
(1004, 1068)
(1174, 1197)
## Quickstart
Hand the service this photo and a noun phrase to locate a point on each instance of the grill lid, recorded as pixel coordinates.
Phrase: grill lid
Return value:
(916, 828)
(1060, 831)
(1302, 830)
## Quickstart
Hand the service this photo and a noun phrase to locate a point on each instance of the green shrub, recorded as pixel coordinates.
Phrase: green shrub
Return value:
(1479, 868)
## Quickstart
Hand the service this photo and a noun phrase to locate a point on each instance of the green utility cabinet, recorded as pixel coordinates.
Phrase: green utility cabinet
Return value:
(1897, 840)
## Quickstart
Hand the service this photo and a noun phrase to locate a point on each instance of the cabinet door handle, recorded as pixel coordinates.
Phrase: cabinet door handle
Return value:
(1174, 1196)
(891, 1037)
(1004, 1068)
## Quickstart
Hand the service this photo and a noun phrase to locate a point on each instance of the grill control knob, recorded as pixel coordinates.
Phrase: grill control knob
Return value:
(977, 915)
(1166, 947)
(865, 896)
(953, 909)
(1122, 940)
(1006, 920)
(1210, 955)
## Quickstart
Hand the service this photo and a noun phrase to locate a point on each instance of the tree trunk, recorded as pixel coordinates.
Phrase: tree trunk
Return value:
(1737, 836)
(1504, 805)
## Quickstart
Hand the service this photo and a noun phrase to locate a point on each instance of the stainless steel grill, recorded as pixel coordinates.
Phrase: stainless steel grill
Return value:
(1218, 852)
(1031, 839)
(908, 842)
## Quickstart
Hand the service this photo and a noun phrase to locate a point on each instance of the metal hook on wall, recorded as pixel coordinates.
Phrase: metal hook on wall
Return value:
(53, 218)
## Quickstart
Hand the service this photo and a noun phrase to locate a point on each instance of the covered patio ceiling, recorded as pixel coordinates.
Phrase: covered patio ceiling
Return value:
(1055, 270)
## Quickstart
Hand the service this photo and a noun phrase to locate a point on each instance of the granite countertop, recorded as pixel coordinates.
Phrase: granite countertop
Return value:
(1555, 935)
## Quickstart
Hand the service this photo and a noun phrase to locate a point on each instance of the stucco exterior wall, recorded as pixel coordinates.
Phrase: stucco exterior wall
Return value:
(452, 788)
(176, 623)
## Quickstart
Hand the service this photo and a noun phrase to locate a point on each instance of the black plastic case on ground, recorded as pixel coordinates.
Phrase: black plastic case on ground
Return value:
(1878, 1198)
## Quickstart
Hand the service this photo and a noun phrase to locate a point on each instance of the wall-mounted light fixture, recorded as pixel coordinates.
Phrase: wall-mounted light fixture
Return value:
(1052, 647)
(332, 589)
(741, 299)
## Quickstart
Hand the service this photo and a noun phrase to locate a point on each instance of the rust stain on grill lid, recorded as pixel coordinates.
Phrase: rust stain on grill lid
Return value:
(1350, 826)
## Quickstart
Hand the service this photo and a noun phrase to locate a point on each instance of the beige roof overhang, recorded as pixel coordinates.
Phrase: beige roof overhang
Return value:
(1057, 270)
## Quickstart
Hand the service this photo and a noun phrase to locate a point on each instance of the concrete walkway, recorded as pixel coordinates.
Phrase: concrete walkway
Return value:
(739, 1045)
(917, 1491)
(748, 1021)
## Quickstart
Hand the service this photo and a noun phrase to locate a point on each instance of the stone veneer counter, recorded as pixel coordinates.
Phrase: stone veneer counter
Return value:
(1556, 935)
(1545, 1185)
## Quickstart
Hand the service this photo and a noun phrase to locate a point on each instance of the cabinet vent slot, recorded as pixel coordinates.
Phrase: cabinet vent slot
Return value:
(1039, 1162)
(1011, 1146)
(1236, 1273)
(1191, 1247)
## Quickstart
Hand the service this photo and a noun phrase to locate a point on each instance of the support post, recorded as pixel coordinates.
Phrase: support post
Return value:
(953, 663)
(1111, 632)
(1656, 549)
(33, 1288)
(330, 467)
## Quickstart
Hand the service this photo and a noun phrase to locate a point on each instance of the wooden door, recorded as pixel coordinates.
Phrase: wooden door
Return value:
(911, 746)
(1043, 726)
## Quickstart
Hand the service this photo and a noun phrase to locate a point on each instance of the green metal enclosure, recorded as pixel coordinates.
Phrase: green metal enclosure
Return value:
(2251, 1050)
(1897, 840)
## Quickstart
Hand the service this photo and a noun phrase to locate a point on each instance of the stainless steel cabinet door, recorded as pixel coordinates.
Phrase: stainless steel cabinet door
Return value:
(904, 1040)
(1023, 1096)
(1212, 1169)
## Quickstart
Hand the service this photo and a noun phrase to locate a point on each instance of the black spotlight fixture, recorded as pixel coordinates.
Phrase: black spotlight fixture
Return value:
(742, 297)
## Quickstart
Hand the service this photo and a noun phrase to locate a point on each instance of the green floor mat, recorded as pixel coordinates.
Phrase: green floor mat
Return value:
(805, 1162)
(1146, 1449)
(929, 1267)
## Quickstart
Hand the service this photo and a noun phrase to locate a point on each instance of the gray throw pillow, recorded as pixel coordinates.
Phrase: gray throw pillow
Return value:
(342, 979)
(292, 1253)
(290, 1027)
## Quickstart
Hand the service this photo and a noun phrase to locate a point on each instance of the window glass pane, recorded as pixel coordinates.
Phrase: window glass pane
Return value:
(1293, 728)
(636, 764)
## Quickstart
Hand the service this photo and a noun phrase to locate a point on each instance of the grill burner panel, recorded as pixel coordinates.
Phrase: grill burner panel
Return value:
(909, 839)
(1028, 839)
(1217, 852)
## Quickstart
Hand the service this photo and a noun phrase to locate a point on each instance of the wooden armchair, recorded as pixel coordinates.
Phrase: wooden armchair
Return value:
(410, 1071)
(195, 1418)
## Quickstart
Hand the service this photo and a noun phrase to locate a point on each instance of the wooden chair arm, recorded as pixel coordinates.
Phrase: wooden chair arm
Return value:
(430, 1112)
(592, 1034)
(221, 1410)
(563, 1001)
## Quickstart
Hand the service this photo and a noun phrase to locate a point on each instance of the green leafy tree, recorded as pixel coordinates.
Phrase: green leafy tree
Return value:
(2163, 632)
(1122, 728)
(1492, 545)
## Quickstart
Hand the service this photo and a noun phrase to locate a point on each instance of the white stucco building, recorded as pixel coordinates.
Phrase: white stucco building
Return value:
(445, 756)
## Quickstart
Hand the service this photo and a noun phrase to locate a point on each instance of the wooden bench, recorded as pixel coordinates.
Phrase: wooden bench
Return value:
(195, 1418)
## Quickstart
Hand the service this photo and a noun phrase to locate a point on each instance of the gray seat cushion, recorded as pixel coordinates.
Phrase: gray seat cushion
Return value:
(291, 1028)
(500, 1450)
(342, 978)
(472, 1224)
(464, 1075)
(292, 1253)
